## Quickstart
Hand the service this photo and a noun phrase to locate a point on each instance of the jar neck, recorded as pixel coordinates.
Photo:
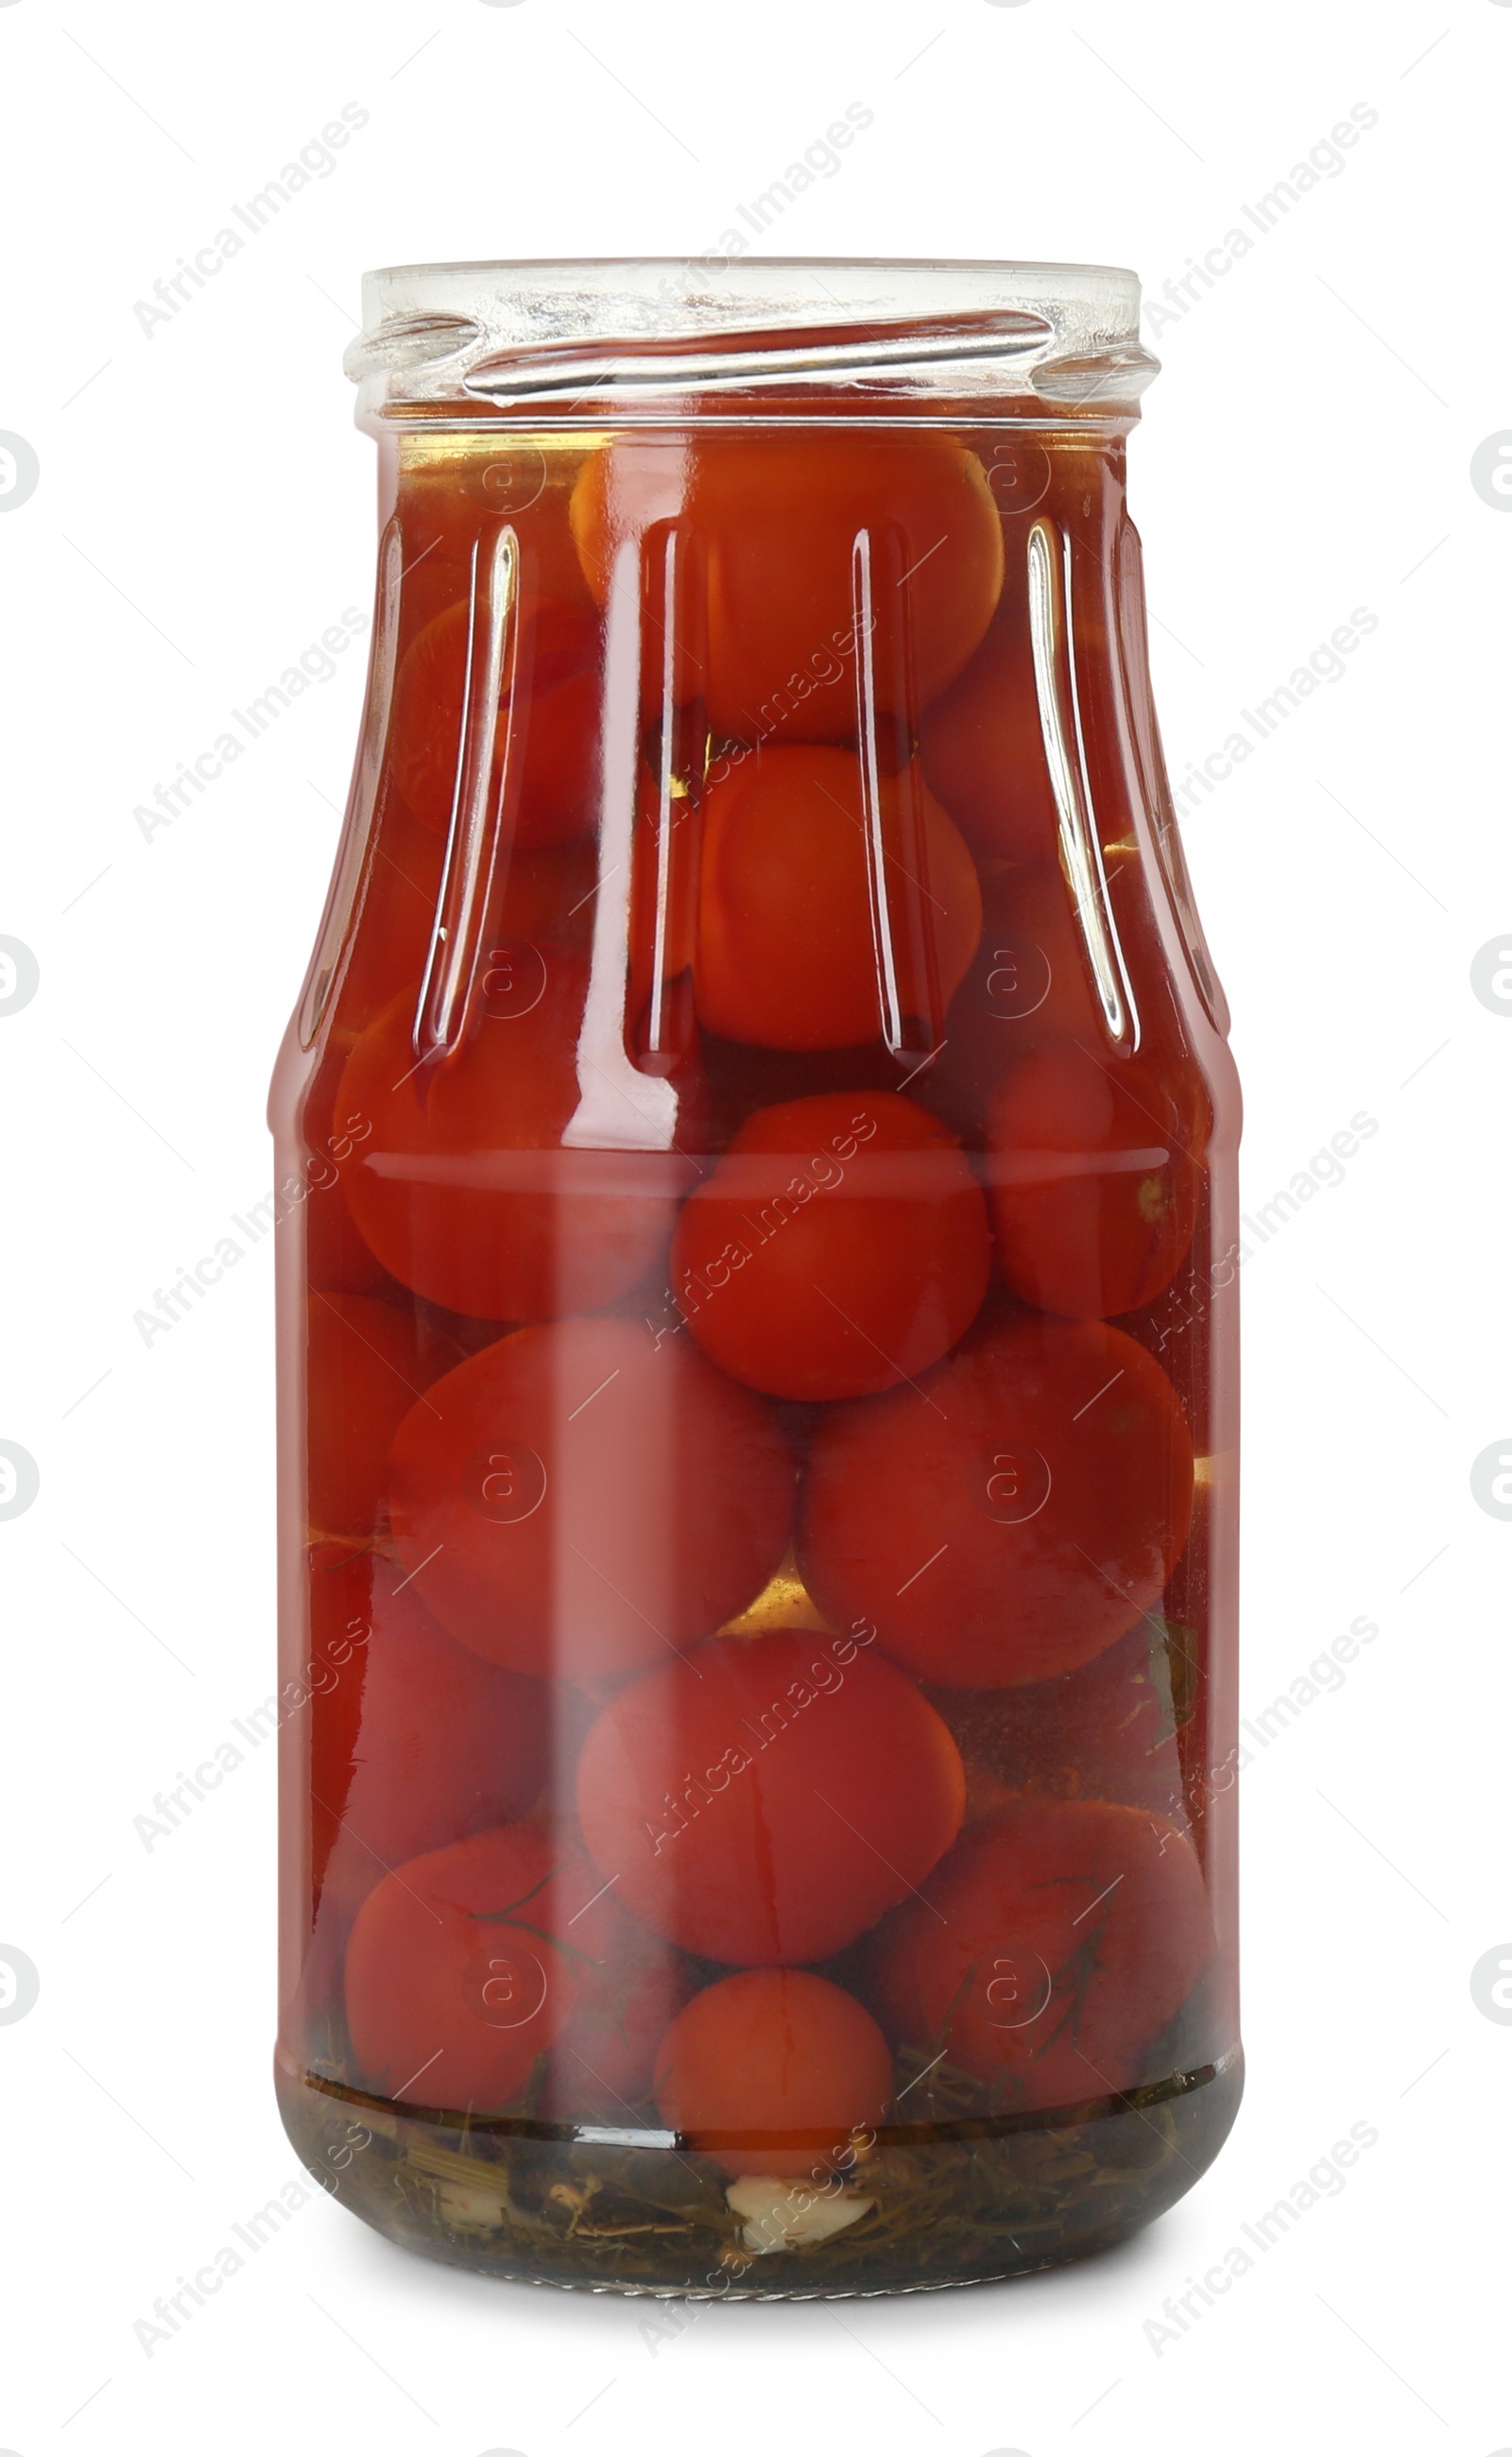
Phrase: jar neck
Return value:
(631, 340)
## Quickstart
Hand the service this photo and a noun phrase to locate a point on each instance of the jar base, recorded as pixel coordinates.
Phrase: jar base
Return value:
(973, 2204)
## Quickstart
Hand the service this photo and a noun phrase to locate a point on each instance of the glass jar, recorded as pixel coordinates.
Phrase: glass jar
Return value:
(757, 1333)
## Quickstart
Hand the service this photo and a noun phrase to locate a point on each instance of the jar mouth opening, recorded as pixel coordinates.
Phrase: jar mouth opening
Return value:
(656, 337)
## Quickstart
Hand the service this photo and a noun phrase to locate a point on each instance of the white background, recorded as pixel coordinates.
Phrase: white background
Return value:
(203, 512)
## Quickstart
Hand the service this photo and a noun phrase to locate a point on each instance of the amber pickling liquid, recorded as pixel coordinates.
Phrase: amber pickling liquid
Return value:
(758, 1389)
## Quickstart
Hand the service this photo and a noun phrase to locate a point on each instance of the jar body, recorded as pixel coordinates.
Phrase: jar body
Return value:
(757, 1376)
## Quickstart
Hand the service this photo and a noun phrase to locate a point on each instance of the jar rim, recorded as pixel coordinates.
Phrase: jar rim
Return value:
(571, 341)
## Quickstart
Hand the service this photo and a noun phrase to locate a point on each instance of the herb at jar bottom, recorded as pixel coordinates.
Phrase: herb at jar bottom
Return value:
(966, 2194)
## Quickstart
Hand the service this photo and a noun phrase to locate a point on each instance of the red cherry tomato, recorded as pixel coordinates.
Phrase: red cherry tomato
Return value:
(365, 1369)
(548, 728)
(431, 1743)
(771, 2072)
(461, 1968)
(336, 1256)
(1106, 1731)
(452, 508)
(787, 953)
(547, 896)
(838, 1247)
(663, 928)
(1028, 984)
(778, 522)
(1059, 1939)
(549, 893)
(1092, 1180)
(337, 1587)
(578, 1499)
(769, 1798)
(740, 1079)
(602, 2060)
(983, 752)
(1012, 1516)
(466, 1190)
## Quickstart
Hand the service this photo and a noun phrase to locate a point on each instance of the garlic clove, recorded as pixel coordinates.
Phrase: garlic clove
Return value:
(781, 2215)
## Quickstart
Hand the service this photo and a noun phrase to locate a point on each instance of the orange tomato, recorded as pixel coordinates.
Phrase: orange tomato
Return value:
(545, 729)
(769, 2072)
(1092, 1181)
(466, 1188)
(1029, 983)
(777, 522)
(838, 1247)
(788, 954)
(983, 752)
